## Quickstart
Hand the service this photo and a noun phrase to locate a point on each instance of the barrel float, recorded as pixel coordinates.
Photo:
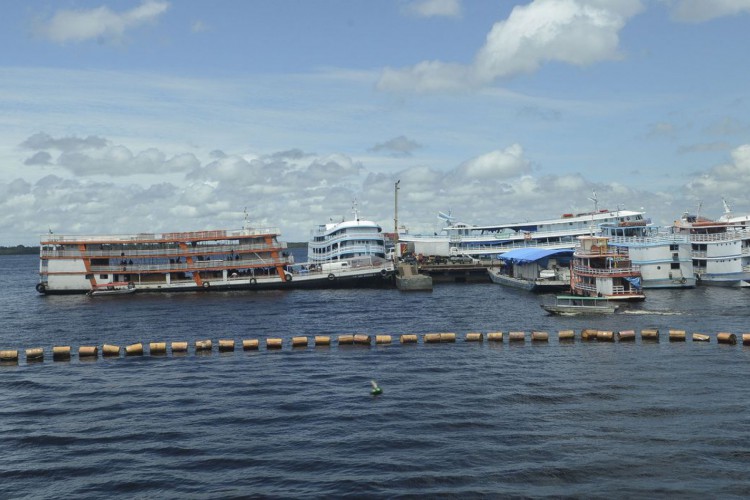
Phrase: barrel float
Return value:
(203, 345)
(299, 341)
(383, 339)
(408, 338)
(589, 334)
(539, 337)
(250, 344)
(134, 349)
(746, 339)
(677, 335)
(431, 338)
(322, 340)
(726, 338)
(516, 336)
(699, 337)
(88, 351)
(109, 350)
(346, 339)
(61, 353)
(447, 337)
(226, 345)
(362, 339)
(274, 343)
(34, 354)
(605, 336)
(566, 335)
(495, 337)
(651, 334)
(10, 355)
(474, 337)
(179, 347)
(157, 348)
(627, 335)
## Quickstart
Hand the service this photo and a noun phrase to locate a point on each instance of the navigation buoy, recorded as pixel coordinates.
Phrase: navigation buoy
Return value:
(376, 391)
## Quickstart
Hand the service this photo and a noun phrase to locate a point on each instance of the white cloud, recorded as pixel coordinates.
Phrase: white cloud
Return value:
(435, 8)
(500, 164)
(99, 23)
(577, 32)
(727, 179)
(704, 10)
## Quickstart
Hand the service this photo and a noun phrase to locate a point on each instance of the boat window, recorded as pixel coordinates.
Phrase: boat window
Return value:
(104, 276)
(675, 265)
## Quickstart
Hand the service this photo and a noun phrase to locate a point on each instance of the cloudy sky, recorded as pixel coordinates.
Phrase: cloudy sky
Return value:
(125, 116)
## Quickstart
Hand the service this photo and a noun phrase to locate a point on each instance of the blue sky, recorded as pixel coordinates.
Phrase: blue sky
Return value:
(145, 116)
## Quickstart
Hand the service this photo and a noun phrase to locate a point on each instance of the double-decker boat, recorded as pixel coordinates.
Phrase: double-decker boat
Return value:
(599, 269)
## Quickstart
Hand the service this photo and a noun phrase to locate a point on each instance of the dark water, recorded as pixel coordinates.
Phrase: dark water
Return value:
(455, 420)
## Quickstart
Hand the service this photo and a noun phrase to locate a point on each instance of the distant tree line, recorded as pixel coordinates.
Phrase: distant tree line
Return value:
(19, 250)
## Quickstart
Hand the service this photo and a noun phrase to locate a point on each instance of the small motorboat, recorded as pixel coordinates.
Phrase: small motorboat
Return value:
(573, 305)
(116, 288)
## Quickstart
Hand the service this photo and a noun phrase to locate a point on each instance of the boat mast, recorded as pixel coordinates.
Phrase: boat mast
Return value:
(395, 216)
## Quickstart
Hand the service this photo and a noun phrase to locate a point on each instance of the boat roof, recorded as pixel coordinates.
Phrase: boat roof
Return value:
(566, 218)
(581, 297)
(529, 255)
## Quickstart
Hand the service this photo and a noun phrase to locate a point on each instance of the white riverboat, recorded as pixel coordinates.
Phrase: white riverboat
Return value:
(575, 305)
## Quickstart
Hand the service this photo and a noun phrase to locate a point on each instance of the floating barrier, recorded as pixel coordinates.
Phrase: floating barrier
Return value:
(346, 339)
(362, 339)
(299, 341)
(409, 339)
(539, 337)
(746, 339)
(110, 351)
(274, 343)
(87, 351)
(677, 336)
(34, 354)
(61, 353)
(9, 355)
(226, 345)
(566, 335)
(180, 347)
(516, 336)
(203, 345)
(699, 337)
(447, 337)
(157, 348)
(589, 334)
(726, 338)
(322, 340)
(250, 345)
(605, 336)
(627, 335)
(651, 334)
(134, 349)
(474, 337)
(495, 337)
(383, 339)
(431, 338)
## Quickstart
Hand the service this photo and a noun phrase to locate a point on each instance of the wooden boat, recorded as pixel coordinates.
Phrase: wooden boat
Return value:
(573, 305)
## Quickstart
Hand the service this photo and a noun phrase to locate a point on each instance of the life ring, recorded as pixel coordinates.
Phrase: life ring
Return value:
(383, 272)
(331, 277)
(288, 277)
(131, 285)
(41, 288)
(206, 284)
(683, 280)
(253, 281)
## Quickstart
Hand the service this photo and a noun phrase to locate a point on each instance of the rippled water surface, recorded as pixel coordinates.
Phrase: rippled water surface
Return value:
(581, 419)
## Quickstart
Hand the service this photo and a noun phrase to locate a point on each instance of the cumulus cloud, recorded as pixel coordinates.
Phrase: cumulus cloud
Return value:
(499, 164)
(398, 146)
(99, 23)
(727, 179)
(435, 8)
(577, 32)
(42, 140)
(697, 11)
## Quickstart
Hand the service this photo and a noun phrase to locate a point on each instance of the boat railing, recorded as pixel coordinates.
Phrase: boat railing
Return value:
(633, 269)
(200, 265)
(47, 252)
(347, 235)
(316, 269)
(650, 240)
(349, 249)
(155, 237)
(731, 235)
(616, 290)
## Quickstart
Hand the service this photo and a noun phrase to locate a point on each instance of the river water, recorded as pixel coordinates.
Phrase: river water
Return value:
(580, 419)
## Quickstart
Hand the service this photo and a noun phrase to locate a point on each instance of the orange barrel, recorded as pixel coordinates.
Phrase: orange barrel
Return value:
(87, 351)
(627, 335)
(589, 334)
(409, 338)
(322, 340)
(203, 345)
(699, 337)
(9, 355)
(274, 343)
(362, 339)
(157, 348)
(566, 335)
(431, 338)
(250, 344)
(474, 337)
(109, 350)
(605, 336)
(447, 337)
(134, 349)
(346, 339)
(61, 352)
(726, 338)
(495, 337)
(299, 341)
(650, 334)
(516, 336)
(746, 339)
(34, 354)
(539, 337)
(226, 345)
(677, 335)
(179, 347)
(383, 339)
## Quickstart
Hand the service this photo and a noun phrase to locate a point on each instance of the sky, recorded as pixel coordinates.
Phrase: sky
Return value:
(147, 116)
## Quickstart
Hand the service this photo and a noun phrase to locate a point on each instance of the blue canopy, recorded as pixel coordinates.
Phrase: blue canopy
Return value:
(529, 255)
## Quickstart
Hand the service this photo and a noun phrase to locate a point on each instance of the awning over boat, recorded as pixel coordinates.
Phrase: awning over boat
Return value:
(530, 255)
